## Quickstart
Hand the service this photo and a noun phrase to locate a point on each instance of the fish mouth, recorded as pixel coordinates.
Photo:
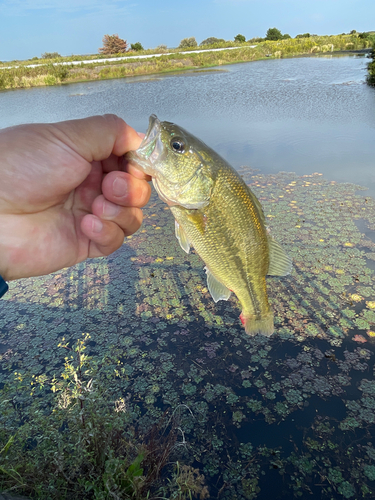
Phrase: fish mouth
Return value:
(150, 149)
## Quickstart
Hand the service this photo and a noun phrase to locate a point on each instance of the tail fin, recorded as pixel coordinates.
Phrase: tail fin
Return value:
(253, 325)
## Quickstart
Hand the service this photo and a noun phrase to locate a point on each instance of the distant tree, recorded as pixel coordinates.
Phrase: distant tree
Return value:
(239, 38)
(161, 48)
(286, 36)
(305, 35)
(136, 46)
(353, 32)
(50, 55)
(364, 35)
(273, 34)
(188, 42)
(256, 39)
(113, 44)
(211, 40)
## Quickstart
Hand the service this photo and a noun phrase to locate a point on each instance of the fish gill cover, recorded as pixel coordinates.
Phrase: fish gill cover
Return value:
(290, 416)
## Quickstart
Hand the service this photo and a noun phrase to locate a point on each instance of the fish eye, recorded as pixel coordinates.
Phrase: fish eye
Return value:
(178, 145)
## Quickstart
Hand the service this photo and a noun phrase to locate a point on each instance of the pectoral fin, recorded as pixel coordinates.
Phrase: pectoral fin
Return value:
(182, 237)
(216, 289)
(280, 263)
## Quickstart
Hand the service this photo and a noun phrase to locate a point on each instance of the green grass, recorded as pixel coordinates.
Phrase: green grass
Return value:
(48, 74)
(371, 68)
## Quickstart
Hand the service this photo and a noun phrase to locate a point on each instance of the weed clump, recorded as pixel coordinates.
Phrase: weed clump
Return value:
(71, 437)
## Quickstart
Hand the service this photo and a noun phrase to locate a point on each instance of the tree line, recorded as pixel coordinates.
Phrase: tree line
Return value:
(113, 44)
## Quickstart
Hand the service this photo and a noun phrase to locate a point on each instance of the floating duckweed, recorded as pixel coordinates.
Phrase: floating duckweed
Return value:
(335, 476)
(336, 331)
(270, 395)
(369, 316)
(349, 424)
(312, 329)
(349, 313)
(126, 341)
(346, 489)
(246, 449)
(149, 399)
(238, 416)
(293, 397)
(369, 470)
(132, 352)
(259, 383)
(254, 405)
(189, 389)
(232, 399)
(362, 324)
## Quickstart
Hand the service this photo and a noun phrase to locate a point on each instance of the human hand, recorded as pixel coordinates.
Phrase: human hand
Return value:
(66, 193)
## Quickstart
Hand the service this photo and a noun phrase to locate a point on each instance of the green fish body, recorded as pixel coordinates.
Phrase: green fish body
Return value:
(217, 214)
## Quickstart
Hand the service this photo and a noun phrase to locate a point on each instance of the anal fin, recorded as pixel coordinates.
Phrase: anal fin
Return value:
(217, 290)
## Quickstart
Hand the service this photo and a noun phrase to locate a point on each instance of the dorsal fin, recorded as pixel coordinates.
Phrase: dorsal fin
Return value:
(280, 262)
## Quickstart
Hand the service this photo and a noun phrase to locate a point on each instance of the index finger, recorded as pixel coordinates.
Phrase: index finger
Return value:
(96, 138)
(120, 163)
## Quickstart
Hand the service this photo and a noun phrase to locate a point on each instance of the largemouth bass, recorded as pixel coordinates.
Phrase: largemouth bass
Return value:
(217, 214)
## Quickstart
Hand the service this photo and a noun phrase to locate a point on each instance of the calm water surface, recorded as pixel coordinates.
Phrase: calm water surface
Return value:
(302, 115)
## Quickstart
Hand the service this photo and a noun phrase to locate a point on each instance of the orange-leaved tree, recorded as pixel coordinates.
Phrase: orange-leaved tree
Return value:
(113, 44)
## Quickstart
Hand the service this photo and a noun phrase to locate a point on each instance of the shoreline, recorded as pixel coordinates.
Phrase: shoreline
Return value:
(63, 73)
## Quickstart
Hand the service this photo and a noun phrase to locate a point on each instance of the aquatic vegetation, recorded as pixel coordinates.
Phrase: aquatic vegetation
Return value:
(159, 347)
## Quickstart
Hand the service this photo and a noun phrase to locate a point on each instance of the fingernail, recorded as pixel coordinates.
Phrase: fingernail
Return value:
(141, 135)
(110, 209)
(97, 225)
(120, 187)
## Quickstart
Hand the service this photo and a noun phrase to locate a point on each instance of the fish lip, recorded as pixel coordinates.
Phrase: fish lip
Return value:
(142, 157)
(154, 127)
(148, 143)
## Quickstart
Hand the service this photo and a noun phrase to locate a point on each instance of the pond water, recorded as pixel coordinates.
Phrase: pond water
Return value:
(302, 115)
(292, 416)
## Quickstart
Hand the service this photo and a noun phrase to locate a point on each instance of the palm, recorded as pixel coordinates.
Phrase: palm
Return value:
(50, 210)
(49, 184)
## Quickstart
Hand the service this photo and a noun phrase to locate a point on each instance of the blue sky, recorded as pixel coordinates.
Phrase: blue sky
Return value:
(31, 27)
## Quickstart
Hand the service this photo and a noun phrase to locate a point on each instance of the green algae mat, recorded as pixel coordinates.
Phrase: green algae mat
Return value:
(290, 416)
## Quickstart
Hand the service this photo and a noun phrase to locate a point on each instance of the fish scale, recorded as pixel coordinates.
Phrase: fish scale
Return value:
(232, 241)
(217, 214)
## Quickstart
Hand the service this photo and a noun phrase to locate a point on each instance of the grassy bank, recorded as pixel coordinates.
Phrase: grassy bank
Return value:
(371, 68)
(50, 74)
